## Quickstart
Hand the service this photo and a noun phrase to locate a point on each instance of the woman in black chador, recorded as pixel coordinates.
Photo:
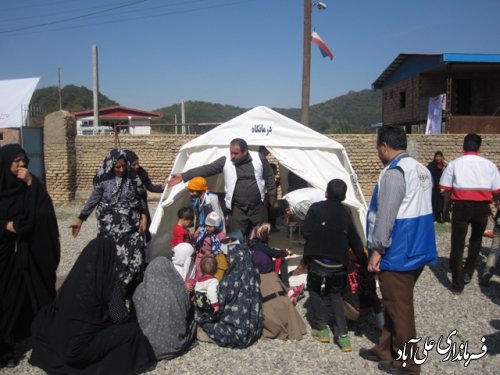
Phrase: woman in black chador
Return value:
(88, 329)
(29, 250)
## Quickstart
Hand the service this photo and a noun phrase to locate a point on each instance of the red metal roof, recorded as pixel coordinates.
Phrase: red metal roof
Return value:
(119, 111)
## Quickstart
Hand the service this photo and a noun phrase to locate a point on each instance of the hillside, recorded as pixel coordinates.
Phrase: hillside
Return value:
(73, 99)
(349, 113)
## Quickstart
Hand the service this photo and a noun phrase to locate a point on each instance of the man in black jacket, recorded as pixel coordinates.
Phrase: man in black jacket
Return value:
(329, 232)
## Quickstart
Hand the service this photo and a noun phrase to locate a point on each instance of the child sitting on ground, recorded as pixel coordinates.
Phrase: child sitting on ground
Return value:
(205, 298)
(208, 242)
(259, 244)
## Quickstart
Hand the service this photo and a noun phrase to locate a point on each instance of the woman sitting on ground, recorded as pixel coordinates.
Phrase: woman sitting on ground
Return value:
(88, 329)
(164, 310)
(281, 318)
(259, 243)
(238, 323)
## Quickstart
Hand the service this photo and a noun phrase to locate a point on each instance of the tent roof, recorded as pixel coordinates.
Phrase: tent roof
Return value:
(310, 155)
(263, 126)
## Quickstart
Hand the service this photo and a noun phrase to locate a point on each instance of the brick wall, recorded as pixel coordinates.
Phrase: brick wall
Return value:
(59, 132)
(364, 158)
(9, 135)
(157, 154)
(392, 112)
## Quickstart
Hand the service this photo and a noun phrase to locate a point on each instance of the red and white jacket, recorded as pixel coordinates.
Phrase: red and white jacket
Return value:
(471, 178)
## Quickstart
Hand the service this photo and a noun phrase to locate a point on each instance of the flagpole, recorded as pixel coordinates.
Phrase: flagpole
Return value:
(306, 64)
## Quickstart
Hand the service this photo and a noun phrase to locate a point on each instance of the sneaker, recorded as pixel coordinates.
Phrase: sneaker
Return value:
(294, 292)
(322, 335)
(344, 342)
(485, 279)
(488, 233)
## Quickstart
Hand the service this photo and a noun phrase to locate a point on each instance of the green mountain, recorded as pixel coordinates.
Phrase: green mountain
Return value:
(73, 99)
(353, 112)
(350, 113)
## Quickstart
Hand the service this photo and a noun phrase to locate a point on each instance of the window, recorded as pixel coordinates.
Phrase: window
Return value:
(402, 99)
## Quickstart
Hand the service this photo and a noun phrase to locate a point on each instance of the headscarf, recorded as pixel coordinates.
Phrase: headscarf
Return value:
(182, 260)
(261, 232)
(106, 171)
(87, 330)
(28, 258)
(131, 156)
(240, 314)
(81, 308)
(164, 310)
(10, 184)
(215, 242)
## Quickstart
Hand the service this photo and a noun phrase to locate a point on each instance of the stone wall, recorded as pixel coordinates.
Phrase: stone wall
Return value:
(364, 158)
(59, 133)
(157, 154)
(9, 135)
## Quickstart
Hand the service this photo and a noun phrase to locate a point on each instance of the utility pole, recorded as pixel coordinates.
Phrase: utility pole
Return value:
(306, 67)
(59, 85)
(95, 81)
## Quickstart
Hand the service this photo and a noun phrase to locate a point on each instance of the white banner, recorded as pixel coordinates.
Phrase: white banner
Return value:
(435, 114)
(15, 96)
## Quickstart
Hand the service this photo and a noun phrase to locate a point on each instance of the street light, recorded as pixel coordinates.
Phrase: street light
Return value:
(306, 65)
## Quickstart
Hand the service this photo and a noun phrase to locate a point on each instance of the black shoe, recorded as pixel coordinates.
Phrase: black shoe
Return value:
(456, 290)
(485, 279)
(389, 368)
(369, 355)
(467, 278)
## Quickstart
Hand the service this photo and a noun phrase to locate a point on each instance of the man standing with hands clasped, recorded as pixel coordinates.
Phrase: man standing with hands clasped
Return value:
(401, 241)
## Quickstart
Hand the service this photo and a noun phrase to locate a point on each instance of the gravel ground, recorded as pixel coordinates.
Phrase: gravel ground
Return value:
(474, 314)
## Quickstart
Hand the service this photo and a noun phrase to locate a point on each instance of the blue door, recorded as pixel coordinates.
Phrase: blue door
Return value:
(32, 142)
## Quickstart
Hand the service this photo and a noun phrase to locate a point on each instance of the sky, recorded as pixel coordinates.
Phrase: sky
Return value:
(246, 53)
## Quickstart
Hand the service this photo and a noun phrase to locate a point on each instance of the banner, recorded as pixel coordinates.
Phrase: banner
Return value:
(435, 114)
(15, 97)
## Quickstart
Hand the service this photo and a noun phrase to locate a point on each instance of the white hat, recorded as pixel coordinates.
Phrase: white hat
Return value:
(213, 219)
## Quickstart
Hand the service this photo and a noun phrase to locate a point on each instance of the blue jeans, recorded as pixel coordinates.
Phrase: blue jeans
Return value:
(328, 300)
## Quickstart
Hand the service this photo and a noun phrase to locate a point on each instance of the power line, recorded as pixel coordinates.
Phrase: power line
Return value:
(108, 21)
(73, 18)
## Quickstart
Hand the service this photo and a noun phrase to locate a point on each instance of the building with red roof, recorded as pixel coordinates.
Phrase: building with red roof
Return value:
(115, 119)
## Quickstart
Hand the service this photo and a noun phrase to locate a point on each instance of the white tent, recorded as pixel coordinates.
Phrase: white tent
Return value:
(15, 96)
(309, 154)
